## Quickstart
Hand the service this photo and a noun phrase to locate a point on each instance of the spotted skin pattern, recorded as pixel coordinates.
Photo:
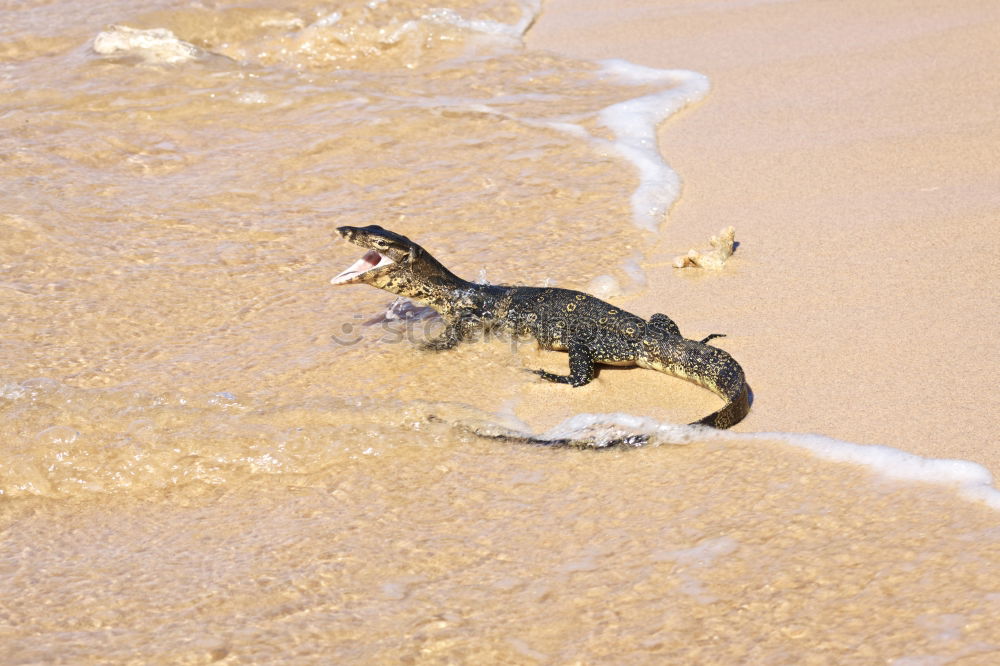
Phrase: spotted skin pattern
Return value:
(592, 331)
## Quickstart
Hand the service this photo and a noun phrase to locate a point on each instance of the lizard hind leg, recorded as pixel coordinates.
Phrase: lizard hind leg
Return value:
(581, 369)
(665, 324)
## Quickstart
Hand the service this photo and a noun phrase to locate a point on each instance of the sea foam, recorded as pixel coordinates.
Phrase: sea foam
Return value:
(973, 481)
(634, 124)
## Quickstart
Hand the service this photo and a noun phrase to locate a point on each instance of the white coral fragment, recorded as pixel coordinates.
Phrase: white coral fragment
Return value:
(714, 259)
(155, 45)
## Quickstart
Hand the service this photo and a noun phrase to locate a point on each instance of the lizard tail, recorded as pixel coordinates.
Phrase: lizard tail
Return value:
(736, 407)
(707, 366)
(697, 362)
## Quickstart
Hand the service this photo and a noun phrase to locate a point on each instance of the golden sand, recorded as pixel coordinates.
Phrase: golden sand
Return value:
(209, 454)
(853, 146)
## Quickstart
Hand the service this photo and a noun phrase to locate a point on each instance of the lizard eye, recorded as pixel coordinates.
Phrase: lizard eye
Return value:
(381, 244)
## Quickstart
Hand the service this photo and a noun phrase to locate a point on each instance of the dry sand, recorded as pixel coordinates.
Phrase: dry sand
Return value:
(855, 148)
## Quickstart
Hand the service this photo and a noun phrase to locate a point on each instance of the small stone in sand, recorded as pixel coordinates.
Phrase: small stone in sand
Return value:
(715, 259)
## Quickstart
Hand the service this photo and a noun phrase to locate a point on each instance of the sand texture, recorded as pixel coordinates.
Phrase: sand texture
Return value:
(855, 148)
(208, 453)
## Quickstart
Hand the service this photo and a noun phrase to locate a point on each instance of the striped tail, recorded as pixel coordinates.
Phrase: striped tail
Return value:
(707, 366)
(697, 362)
(735, 409)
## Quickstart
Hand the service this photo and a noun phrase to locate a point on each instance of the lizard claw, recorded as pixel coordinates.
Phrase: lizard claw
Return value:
(552, 377)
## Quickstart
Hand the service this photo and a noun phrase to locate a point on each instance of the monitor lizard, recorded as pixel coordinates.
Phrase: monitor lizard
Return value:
(591, 330)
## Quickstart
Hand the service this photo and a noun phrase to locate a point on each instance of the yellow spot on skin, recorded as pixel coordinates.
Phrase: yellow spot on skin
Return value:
(570, 307)
(602, 320)
(630, 331)
(581, 297)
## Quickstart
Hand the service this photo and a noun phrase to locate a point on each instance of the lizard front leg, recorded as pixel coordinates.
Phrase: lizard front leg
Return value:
(457, 329)
(581, 368)
(451, 335)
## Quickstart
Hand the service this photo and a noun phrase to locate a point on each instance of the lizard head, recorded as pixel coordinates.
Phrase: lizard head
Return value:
(393, 262)
(387, 253)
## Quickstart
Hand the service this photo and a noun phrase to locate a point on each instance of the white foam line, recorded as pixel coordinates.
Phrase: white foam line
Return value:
(634, 124)
(972, 481)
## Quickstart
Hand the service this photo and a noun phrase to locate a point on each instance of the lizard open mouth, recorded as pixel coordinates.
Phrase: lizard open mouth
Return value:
(373, 259)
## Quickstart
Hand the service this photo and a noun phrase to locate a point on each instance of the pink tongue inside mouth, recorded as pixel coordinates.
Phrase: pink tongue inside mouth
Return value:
(371, 260)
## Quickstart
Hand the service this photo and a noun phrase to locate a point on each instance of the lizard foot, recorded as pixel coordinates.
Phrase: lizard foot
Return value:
(559, 379)
(438, 344)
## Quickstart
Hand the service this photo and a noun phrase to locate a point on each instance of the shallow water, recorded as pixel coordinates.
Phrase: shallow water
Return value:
(165, 222)
(209, 453)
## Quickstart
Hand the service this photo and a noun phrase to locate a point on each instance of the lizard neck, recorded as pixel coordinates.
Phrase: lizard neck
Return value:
(427, 282)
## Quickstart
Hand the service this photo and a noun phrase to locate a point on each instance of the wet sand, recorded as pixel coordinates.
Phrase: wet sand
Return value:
(207, 455)
(460, 555)
(853, 146)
